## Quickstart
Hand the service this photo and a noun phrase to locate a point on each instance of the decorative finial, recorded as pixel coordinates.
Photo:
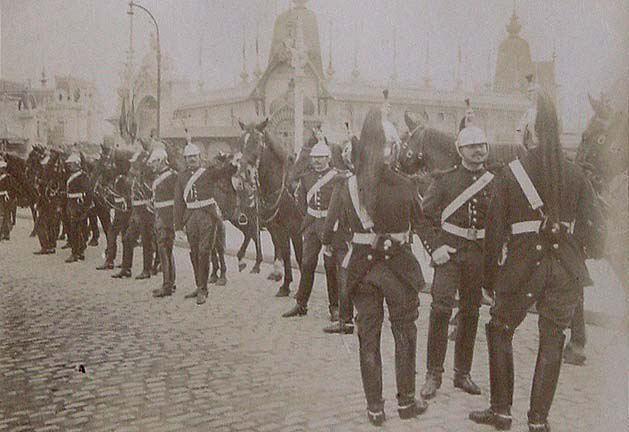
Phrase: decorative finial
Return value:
(394, 75)
(244, 75)
(467, 102)
(514, 27)
(43, 80)
(427, 79)
(385, 93)
(330, 67)
(355, 71)
(257, 71)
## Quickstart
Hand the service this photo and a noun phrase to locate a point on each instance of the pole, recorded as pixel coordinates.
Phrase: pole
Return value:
(159, 61)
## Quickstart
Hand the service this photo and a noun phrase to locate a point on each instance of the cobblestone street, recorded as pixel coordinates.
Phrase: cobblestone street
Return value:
(233, 364)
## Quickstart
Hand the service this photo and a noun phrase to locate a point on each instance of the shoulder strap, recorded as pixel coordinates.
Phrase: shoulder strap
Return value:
(163, 176)
(73, 176)
(464, 196)
(526, 184)
(191, 181)
(320, 183)
(361, 212)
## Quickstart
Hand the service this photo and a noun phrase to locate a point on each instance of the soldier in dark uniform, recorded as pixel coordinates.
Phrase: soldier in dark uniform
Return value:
(163, 201)
(382, 207)
(79, 200)
(196, 210)
(122, 209)
(140, 223)
(8, 189)
(99, 211)
(337, 236)
(456, 203)
(538, 228)
(47, 214)
(316, 188)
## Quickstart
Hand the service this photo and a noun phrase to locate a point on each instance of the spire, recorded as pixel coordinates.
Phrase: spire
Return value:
(427, 79)
(514, 27)
(244, 75)
(355, 71)
(330, 70)
(200, 82)
(459, 60)
(130, 52)
(394, 75)
(43, 80)
(257, 71)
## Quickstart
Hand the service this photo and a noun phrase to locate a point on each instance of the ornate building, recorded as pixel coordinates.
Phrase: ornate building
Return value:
(58, 115)
(213, 116)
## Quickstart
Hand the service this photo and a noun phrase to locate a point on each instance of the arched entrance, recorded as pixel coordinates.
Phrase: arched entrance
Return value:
(282, 125)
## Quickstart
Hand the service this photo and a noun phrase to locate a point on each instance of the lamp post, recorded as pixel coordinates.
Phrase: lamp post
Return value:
(132, 4)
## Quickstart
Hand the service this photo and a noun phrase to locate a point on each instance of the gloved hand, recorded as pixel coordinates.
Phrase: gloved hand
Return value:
(441, 255)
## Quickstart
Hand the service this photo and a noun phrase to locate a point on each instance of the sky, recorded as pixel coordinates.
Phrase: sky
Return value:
(89, 39)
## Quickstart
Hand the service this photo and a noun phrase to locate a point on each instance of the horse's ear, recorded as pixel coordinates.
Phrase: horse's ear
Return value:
(596, 106)
(410, 123)
(242, 125)
(262, 126)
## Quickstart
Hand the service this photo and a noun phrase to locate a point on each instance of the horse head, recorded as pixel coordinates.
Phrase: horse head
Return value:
(603, 152)
(426, 148)
(252, 141)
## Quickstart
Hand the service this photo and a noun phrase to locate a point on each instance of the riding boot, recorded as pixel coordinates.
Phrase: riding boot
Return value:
(405, 337)
(464, 352)
(546, 376)
(436, 349)
(195, 270)
(500, 350)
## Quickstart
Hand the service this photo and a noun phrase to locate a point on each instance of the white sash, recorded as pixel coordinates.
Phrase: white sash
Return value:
(526, 184)
(319, 184)
(72, 177)
(163, 176)
(361, 212)
(468, 193)
(3, 176)
(191, 182)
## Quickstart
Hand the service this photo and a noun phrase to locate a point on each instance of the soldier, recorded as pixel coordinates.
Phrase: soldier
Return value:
(197, 211)
(140, 223)
(47, 214)
(7, 196)
(163, 201)
(122, 209)
(79, 200)
(100, 211)
(456, 203)
(316, 188)
(382, 206)
(337, 237)
(539, 225)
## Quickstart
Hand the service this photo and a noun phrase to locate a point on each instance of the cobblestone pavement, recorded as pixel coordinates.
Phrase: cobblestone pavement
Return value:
(232, 364)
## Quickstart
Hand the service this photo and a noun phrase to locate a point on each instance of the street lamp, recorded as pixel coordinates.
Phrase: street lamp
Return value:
(132, 4)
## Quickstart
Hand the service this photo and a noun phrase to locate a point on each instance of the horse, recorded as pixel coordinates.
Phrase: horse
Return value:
(603, 154)
(268, 163)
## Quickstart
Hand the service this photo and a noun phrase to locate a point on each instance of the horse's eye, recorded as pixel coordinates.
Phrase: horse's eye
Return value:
(601, 139)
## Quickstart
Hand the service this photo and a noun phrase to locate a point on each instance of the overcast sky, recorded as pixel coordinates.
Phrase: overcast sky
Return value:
(89, 38)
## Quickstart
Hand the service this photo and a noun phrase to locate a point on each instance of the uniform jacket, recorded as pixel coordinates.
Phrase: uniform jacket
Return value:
(320, 201)
(398, 210)
(122, 186)
(511, 259)
(164, 192)
(9, 185)
(202, 189)
(79, 183)
(444, 189)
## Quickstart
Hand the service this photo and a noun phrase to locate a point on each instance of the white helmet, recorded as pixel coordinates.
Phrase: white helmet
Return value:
(191, 150)
(320, 149)
(74, 158)
(471, 135)
(158, 155)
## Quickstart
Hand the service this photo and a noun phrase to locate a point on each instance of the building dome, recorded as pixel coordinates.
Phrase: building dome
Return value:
(514, 60)
(285, 30)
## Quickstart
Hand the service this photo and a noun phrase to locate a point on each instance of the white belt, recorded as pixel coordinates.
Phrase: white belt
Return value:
(163, 204)
(138, 203)
(200, 204)
(533, 227)
(118, 200)
(317, 213)
(76, 195)
(370, 238)
(466, 233)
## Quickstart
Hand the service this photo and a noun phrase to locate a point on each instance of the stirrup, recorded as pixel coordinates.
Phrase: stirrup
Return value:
(243, 219)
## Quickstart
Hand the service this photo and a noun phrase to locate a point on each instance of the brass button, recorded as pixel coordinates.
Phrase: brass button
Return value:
(538, 247)
(386, 257)
(369, 257)
(529, 295)
(555, 246)
(538, 263)
(474, 200)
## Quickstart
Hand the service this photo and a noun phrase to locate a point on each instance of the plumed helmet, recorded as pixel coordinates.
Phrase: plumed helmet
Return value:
(159, 154)
(320, 149)
(74, 158)
(471, 135)
(191, 149)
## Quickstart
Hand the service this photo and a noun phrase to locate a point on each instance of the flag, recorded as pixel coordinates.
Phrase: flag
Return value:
(133, 126)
